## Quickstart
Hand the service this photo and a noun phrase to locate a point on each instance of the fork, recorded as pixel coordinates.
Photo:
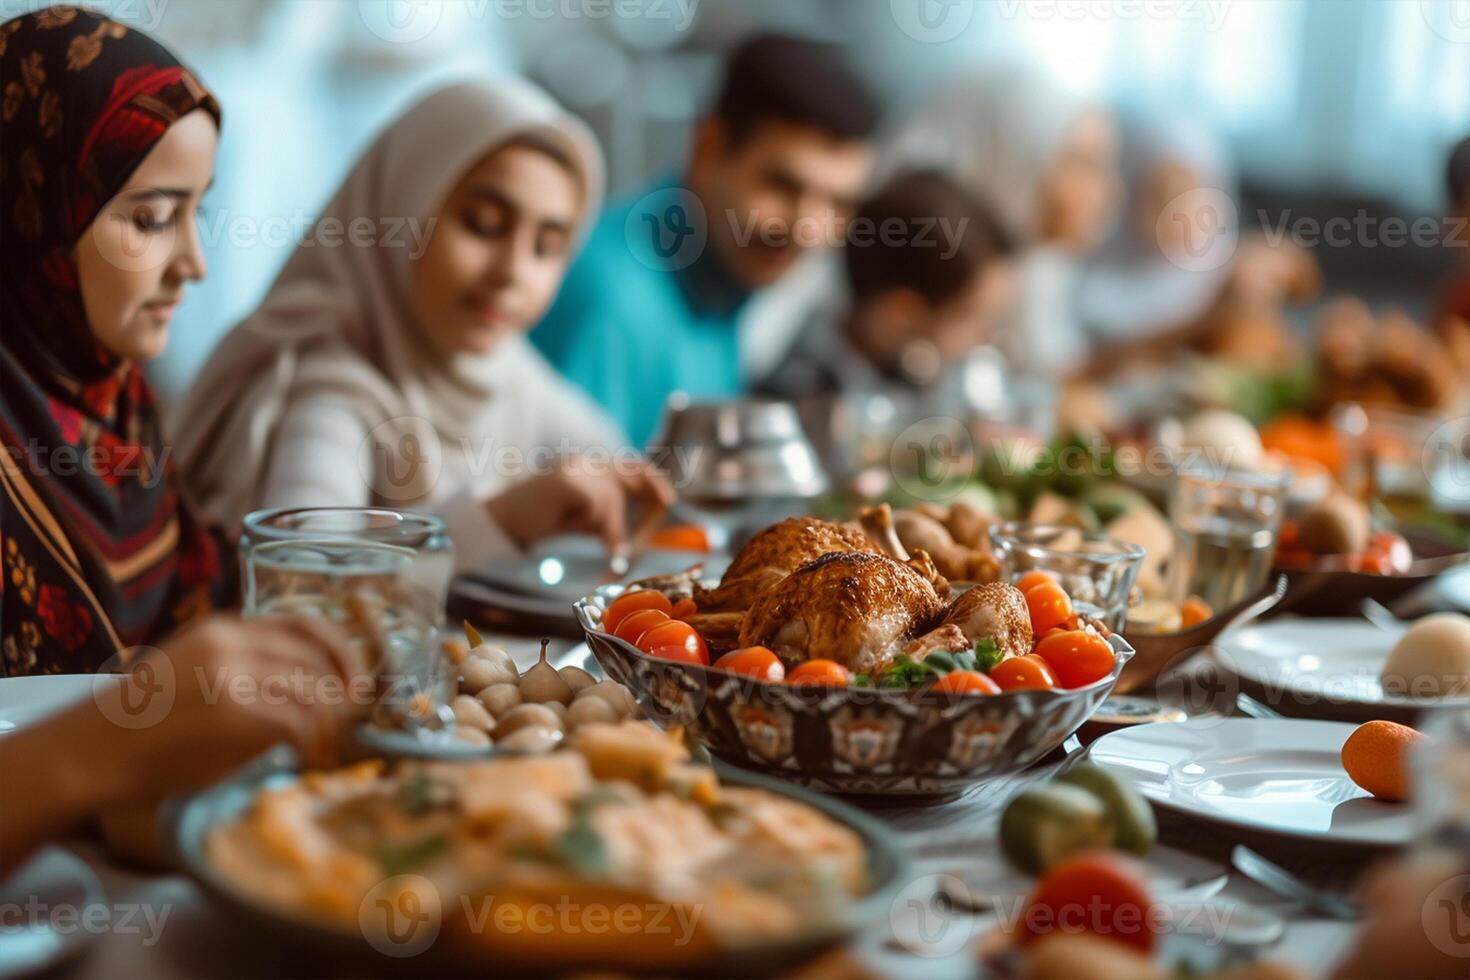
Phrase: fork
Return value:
(1277, 879)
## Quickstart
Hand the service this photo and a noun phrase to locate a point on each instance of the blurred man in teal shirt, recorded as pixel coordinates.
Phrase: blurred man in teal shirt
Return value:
(650, 306)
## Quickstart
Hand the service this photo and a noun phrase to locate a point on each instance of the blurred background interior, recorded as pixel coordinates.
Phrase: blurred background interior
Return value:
(1346, 108)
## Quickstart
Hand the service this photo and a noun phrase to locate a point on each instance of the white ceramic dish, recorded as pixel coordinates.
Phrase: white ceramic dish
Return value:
(1278, 776)
(1321, 668)
(26, 700)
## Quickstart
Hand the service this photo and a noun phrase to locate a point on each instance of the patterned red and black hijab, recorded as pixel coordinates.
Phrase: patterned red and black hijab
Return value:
(97, 550)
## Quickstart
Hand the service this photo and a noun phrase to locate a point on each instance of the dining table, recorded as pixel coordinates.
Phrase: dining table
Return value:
(174, 930)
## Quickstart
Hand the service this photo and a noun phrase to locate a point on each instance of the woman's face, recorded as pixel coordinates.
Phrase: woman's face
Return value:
(1081, 187)
(135, 257)
(498, 250)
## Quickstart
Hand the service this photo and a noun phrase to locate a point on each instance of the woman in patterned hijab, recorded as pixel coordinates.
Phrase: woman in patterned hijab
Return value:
(106, 145)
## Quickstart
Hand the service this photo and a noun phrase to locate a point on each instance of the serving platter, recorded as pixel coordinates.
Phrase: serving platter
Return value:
(869, 742)
(343, 951)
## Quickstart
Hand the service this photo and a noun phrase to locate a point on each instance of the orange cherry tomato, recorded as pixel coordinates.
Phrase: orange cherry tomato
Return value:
(965, 682)
(1101, 892)
(631, 602)
(673, 633)
(678, 654)
(684, 608)
(1194, 611)
(679, 537)
(1076, 657)
(1049, 605)
(1033, 578)
(827, 673)
(634, 625)
(1028, 673)
(757, 662)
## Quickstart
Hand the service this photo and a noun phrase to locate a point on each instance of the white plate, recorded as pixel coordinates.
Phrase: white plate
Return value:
(52, 884)
(1303, 662)
(26, 700)
(1281, 776)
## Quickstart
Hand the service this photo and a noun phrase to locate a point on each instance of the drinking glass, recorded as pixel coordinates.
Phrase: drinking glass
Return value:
(382, 575)
(1226, 524)
(1097, 571)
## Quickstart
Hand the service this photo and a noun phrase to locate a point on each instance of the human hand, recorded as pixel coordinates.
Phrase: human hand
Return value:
(577, 499)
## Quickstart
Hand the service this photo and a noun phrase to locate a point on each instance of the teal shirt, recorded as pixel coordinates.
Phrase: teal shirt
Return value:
(639, 318)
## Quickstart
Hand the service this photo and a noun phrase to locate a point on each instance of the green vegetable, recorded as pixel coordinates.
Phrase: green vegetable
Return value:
(905, 672)
(987, 655)
(860, 680)
(943, 662)
(580, 847)
(1132, 819)
(1045, 824)
(396, 859)
(471, 635)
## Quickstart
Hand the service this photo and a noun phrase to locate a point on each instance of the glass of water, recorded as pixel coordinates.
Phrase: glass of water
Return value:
(1226, 523)
(1096, 571)
(381, 575)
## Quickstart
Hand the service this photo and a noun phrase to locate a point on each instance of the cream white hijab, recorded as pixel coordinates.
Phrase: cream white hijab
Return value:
(341, 316)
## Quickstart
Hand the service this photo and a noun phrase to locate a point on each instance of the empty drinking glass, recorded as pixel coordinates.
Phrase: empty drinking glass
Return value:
(1096, 571)
(1226, 523)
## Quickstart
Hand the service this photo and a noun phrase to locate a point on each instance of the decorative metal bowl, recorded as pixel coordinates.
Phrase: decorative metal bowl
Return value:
(855, 741)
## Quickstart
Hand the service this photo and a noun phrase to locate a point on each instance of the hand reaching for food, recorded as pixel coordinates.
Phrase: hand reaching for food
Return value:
(578, 498)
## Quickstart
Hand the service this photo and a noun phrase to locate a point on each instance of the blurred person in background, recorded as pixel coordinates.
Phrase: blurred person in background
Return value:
(392, 370)
(927, 278)
(1045, 163)
(774, 170)
(107, 144)
(1452, 311)
(1154, 274)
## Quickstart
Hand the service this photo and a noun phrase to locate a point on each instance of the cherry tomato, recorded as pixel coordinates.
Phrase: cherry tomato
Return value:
(1101, 892)
(1049, 606)
(678, 654)
(636, 624)
(674, 634)
(1026, 673)
(631, 602)
(757, 662)
(684, 608)
(1194, 611)
(1033, 578)
(965, 682)
(1076, 657)
(827, 673)
(679, 537)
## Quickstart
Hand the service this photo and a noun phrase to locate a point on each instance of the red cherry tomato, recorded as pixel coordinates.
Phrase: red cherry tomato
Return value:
(673, 633)
(1076, 657)
(827, 673)
(1028, 673)
(1049, 606)
(636, 624)
(1033, 578)
(757, 662)
(631, 602)
(1101, 892)
(965, 682)
(678, 654)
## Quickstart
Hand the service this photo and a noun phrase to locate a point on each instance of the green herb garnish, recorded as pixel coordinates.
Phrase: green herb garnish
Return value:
(581, 847)
(395, 859)
(905, 672)
(987, 655)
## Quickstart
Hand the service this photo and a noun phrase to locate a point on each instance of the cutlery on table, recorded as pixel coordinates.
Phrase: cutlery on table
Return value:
(1278, 880)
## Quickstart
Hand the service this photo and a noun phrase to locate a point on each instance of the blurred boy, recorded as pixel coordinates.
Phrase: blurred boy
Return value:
(927, 278)
(651, 304)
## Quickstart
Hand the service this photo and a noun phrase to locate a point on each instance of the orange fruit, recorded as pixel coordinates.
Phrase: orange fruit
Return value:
(827, 673)
(1076, 657)
(757, 662)
(1194, 611)
(673, 633)
(1033, 578)
(1049, 606)
(1376, 757)
(1024, 673)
